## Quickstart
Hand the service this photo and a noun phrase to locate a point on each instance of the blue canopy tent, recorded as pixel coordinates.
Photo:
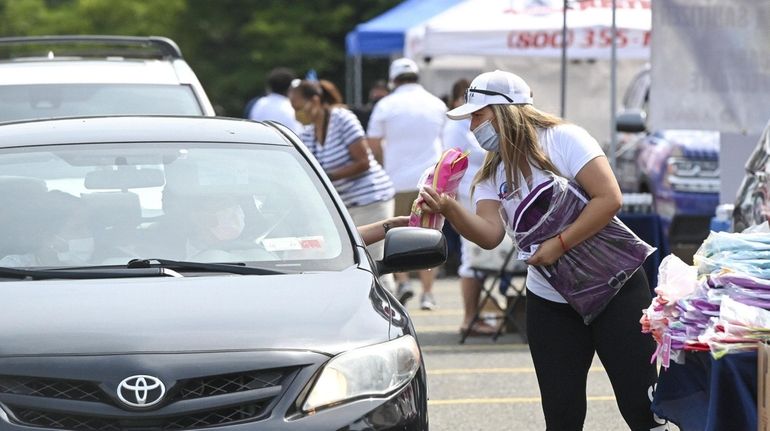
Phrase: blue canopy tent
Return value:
(384, 36)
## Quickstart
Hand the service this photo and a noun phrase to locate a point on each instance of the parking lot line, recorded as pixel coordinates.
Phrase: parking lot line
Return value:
(474, 347)
(514, 400)
(439, 312)
(448, 371)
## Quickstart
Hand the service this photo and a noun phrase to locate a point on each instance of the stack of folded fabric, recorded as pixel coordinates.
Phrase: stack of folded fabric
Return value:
(721, 304)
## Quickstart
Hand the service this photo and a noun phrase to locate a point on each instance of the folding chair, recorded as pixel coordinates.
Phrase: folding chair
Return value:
(499, 270)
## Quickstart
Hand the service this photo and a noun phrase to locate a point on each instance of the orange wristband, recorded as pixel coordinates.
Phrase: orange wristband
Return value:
(563, 246)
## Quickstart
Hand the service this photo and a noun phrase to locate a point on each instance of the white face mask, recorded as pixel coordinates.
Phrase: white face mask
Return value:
(79, 251)
(230, 223)
(487, 136)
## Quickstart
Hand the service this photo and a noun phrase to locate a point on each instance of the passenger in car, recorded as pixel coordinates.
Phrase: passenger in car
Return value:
(63, 238)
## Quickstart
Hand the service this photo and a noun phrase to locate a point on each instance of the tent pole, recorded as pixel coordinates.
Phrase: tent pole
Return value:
(563, 111)
(613, 89)
(357, 84)
(348, 80)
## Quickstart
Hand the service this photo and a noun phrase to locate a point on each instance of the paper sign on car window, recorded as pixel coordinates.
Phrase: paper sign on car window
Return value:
(293, 243)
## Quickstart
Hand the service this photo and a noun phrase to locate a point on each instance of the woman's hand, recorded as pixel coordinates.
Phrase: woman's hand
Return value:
(547, 253)
(434, 202)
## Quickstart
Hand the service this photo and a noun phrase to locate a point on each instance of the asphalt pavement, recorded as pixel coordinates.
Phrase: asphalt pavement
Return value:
(490, 385)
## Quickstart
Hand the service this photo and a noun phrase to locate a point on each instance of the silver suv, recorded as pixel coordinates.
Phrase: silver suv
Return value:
(65, 76)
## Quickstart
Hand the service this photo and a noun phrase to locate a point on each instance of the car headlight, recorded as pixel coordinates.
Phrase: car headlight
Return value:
(369, 371)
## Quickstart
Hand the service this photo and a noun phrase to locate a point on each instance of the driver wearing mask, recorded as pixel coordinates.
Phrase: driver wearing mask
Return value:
(217, 232)
(215, 221)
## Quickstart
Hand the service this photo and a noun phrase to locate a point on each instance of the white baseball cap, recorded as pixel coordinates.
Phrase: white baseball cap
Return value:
(402, 66)
(493, 88)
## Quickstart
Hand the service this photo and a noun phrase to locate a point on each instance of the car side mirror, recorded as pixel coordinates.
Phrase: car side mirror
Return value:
(412, 248)
(631, 121)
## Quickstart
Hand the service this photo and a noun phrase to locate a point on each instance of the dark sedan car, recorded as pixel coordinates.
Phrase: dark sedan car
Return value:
(179, 273)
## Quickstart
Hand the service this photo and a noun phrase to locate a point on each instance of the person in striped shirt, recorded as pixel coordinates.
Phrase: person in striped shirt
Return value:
(335, 137)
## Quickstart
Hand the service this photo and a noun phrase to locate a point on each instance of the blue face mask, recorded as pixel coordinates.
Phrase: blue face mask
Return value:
(487, 136)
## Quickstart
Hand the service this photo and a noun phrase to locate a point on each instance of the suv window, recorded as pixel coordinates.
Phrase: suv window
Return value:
(20, 102)
(65, 76)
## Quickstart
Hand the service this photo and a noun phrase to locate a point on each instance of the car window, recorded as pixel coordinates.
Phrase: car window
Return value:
(21, 102)
(105, 204)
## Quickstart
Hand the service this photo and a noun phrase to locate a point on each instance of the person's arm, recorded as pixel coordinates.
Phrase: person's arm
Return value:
(374, 232)
(376, 131)
(597, 179)
(375, 144)
(359, 153)
(485, 228)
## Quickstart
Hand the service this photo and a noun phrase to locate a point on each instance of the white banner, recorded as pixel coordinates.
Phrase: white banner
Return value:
(529, 28)
(710, 65)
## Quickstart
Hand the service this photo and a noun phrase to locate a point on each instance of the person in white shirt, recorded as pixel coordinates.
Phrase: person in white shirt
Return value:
(524, 146)
(275, 105)
(405, 137)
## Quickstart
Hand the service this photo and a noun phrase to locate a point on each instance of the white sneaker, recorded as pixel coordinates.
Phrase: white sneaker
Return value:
(427, 302)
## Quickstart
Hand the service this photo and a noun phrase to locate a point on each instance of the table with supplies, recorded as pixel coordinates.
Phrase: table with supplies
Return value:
(707, 394)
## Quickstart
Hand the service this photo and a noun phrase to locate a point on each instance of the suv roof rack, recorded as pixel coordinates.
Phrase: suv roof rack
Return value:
(102, 46)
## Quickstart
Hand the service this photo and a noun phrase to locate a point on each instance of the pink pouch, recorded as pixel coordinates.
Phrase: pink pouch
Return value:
(444, 178)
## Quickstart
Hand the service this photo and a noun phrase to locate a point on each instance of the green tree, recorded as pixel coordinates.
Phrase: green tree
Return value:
(233, 44)
(136, 17)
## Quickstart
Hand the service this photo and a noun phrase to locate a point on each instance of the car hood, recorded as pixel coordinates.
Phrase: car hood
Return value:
(323, 312)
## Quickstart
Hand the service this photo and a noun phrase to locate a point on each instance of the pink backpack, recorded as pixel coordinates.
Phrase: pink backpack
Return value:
(444, 178)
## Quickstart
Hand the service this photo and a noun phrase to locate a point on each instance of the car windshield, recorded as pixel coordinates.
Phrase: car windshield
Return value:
(22, 102)
(105, 204)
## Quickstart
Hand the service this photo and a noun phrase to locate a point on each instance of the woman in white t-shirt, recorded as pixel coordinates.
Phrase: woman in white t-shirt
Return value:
(523, 145)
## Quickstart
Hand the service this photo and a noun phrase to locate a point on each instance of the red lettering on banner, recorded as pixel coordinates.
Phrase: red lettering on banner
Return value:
(541, 40)
(537, 39)
(607, 4)
(581, 5)
(606, 38)
(588, 39)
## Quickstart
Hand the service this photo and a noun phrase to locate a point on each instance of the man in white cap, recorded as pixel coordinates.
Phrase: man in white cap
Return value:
(405, 136)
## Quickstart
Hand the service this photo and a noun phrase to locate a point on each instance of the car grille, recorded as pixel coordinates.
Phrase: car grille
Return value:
(224, 416)
(50, 388)
(229, 383)
(183, 390)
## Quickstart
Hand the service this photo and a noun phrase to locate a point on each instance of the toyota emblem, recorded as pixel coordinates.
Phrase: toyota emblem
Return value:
(141, 391)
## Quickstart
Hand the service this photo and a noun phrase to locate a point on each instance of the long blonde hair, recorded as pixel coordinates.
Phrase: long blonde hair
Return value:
(517, 127)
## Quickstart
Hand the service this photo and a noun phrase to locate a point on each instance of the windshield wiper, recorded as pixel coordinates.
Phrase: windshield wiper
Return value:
(233, 268)
(84, 273)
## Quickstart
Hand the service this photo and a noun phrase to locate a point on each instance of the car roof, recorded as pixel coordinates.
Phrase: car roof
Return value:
(113, 129)
(91, 71)
(75, 59)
